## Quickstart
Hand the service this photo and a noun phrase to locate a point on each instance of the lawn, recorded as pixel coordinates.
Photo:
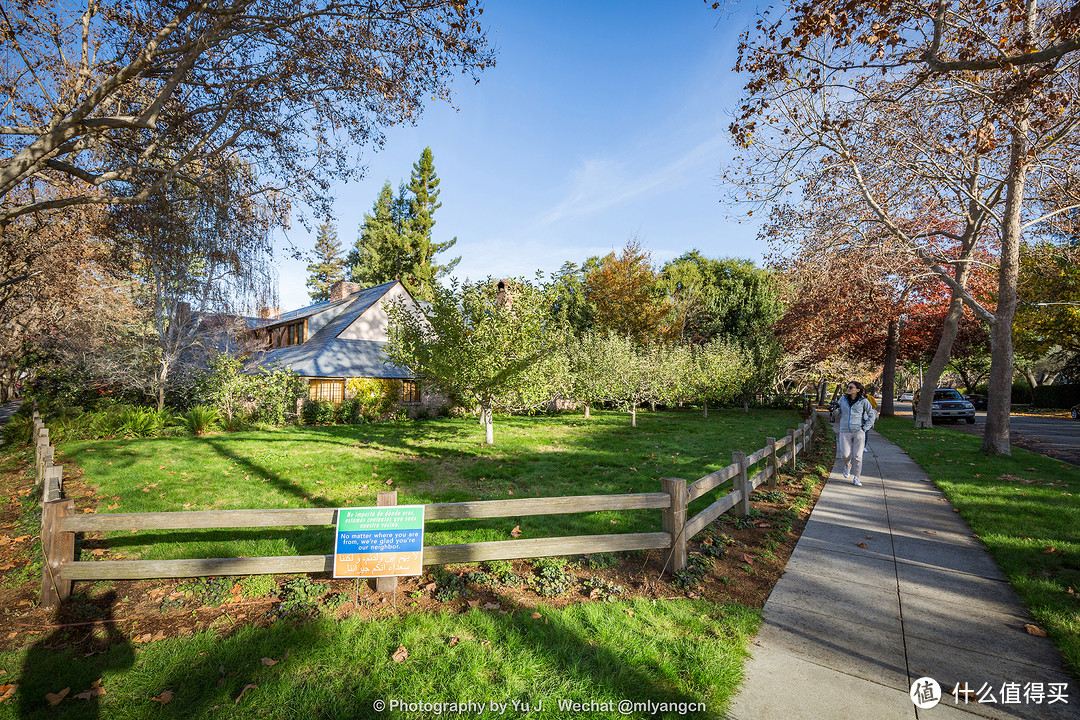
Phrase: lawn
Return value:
(674, 651)
(440, 460)
(1026, 508)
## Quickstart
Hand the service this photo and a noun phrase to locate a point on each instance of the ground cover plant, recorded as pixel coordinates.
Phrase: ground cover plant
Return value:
(1024, 507)
(439, 460)
(616, 628)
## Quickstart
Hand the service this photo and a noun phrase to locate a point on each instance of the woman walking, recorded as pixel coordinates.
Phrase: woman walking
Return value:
(856, 417)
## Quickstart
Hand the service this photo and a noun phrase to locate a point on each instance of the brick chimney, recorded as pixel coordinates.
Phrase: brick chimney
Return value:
(343, 289)
(502, 294)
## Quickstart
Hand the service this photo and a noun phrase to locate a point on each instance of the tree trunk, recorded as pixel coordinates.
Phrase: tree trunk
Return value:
(586, 412)
(888, 373)
(823, 387)
(489, 429)
(705, 410)
(162, 376)
(943, 352)
(633, 416)
(1029, 374)
(996, 434)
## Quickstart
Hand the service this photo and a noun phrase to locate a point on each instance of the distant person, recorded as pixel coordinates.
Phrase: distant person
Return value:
(856, 418)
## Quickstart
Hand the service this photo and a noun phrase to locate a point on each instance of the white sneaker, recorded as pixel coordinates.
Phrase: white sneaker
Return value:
(856, 482)
(847, 471)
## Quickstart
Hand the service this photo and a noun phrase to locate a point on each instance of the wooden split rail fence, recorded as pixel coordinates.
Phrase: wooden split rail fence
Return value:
(60, 523)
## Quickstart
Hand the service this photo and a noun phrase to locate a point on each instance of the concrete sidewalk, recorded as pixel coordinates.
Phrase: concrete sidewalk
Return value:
(888, 585)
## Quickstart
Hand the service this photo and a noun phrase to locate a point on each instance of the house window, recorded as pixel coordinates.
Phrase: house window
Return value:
(328, 390)
(410, 391)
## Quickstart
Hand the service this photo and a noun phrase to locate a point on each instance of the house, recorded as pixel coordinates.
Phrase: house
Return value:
(331, 342)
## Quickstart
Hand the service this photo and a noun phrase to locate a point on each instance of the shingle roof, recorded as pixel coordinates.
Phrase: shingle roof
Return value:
(327, 355)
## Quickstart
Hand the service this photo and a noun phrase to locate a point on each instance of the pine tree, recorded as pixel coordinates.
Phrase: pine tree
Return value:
(395, 240)
(424, 187)
(327, 267)
(379, 253)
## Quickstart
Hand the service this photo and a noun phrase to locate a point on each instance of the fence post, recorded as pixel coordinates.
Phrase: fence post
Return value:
(742, 509)
(59, 548)
(42, 447)
(674, 522)
(792, 437)
(54, 480)
(774, 481)
(386, 498)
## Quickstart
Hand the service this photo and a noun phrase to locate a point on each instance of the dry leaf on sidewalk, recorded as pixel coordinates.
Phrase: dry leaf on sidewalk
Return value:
(1035, 630)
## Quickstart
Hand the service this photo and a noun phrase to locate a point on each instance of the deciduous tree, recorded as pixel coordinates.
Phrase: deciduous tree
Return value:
(478, 347)
(958, 108)
(623, 293)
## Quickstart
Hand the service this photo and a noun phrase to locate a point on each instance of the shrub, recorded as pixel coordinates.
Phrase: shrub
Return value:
(18, 430)
(376, 398)
(317, 412)
(201, 419)
(350, 412)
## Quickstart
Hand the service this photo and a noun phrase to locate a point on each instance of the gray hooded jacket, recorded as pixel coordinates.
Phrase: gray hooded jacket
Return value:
(857, 417)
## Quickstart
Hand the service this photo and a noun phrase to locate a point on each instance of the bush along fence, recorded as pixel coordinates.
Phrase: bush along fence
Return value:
(60, 524)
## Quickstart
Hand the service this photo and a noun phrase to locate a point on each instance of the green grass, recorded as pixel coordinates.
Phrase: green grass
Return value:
(680, 651)
(433, 461)
(1031, 528)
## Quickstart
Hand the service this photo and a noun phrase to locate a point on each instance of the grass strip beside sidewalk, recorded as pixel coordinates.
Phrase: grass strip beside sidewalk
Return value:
(1025, 507)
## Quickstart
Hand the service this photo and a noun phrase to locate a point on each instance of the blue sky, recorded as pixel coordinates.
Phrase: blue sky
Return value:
(600, 121)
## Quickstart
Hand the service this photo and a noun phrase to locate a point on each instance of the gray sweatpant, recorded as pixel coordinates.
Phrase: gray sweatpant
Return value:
(849, 447)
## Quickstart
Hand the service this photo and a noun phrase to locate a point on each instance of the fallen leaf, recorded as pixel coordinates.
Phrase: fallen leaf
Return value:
(747, 559)
(594, 593)
(536, 616)
(94, 691)
(400, 654)
(1049, 549)
(930, 532)
(485, 642)
(113, 506)
(628, 611)
(862, 544)
(516, 532)
(54, 698)
(1035, 630)
(492, 606)
(269, 662)
(869, 537)
(474, 603)
(430, 587)
(453, 641)
(247, 687)
(98, 552)
(7, 691)
(389, 482)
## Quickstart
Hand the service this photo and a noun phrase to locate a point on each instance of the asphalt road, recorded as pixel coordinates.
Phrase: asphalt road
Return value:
(1058, 438)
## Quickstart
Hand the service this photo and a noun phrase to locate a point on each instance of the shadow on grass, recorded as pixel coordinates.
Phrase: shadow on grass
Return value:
(54, 663)
(329, 669)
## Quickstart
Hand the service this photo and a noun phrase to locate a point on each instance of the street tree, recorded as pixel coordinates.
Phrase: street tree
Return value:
(843, 91)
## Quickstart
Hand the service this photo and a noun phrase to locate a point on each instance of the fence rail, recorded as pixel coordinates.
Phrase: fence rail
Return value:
(60, 523)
